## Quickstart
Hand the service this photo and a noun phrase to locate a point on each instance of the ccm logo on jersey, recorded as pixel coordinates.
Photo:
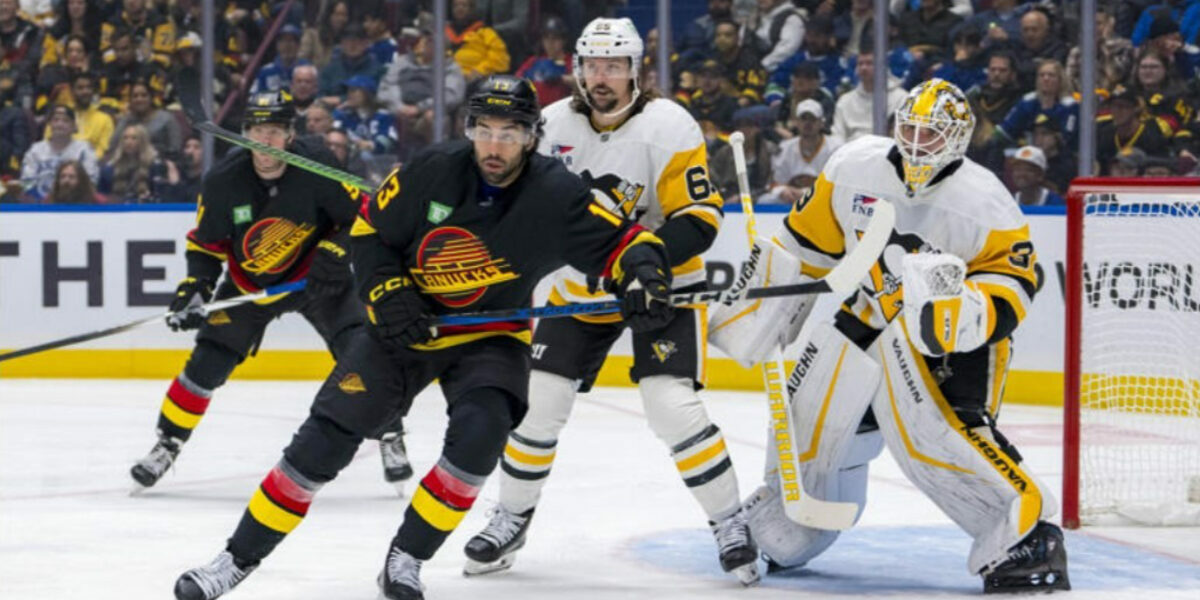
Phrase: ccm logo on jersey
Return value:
(862, 205)
(456, 267)
(272, 245)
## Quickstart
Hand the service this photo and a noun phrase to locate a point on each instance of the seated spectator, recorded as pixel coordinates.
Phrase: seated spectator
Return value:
(510, 20)
(166, 134)
(407, 89)
(477, 48)
(73, 186)
(305, 87)
(383, 46)
(759, 150)
(693, 46)
(188, 173)
(993, 100)
(1173, 10)
(277, 74)
(743, 67)
(1164, 38)
(550, 70)
(1061, 165)
(852, 117)
(1038, 43)
(40, 164)
(802, 157)
(21, 49)
(779, 31)
(1052, 96)
(968, 67)
(805, 85)
(349, 159)
(317, 120)
(92, 121)
(54, 79)
(1028, 173)
(16, 131)
(371, 128)
(74, 18)
(851, 26)
(711, 102)
(135, 174)
(1161, 93)
(1125, 128)
(926, 31)
(1126, 163)
(819, 49)
(1000, 24)
(351, 59)
(317, 43)
(147, 27)
(123, 68)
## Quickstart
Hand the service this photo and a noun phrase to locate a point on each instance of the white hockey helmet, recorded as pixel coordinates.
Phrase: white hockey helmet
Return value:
(933, 129)
(606, 38)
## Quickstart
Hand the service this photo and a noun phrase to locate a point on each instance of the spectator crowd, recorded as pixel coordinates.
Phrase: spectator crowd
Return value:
(90, 107)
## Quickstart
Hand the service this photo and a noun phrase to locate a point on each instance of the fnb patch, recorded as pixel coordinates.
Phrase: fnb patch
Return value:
(861, 205)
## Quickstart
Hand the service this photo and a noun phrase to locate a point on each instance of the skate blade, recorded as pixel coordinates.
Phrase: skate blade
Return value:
(399, 485)
(474, 568)
(748, 574)
(137, 490)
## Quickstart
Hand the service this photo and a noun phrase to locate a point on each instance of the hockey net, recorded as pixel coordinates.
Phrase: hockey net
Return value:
(1132, 355)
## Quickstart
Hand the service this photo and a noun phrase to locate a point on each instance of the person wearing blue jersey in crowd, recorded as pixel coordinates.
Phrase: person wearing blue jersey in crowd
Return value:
(1052, 97)
(820, 49)
(277, 75)
(371, 128)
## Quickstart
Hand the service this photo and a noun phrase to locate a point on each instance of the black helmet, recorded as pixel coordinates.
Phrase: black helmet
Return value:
(269, 107)
(506, 96)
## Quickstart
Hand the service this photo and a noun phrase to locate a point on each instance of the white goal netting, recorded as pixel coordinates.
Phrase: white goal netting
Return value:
(1139, 435)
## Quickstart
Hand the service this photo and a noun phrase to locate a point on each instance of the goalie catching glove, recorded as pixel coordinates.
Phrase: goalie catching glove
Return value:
(397, 313)
(644, 287)
(186, 311)
(942, 312)
(747, 330)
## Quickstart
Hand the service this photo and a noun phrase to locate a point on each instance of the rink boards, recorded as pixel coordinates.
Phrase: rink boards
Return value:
(65, 271)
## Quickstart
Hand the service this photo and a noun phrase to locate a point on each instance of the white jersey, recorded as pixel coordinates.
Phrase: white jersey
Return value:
(651, 168)
(968, 213)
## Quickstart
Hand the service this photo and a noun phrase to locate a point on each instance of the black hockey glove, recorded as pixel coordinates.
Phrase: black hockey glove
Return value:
(398, 314)
(185, 307)
(645, 287)
(329, 272)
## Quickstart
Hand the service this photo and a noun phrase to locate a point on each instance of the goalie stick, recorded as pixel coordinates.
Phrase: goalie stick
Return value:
(275, 290)
(799, 506)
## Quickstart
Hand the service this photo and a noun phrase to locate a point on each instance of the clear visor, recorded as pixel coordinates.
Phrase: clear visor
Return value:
(507, 137)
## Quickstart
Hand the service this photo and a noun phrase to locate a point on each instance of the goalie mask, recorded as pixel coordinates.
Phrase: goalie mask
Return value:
(933, 128)
(609, 38)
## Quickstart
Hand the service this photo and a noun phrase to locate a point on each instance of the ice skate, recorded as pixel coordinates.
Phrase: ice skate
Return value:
(1037, 564)
(212, 580)
(154, 465)
(400, 578)
(739, 554)
(396, 468)
(495, 548)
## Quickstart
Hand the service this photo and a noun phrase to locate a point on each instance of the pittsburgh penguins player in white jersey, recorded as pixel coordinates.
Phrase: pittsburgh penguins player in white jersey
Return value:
(916, 358)
(645, 158)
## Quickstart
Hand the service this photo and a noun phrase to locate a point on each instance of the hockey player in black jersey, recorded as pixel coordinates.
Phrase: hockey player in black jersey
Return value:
(465, 226)
(269, 224)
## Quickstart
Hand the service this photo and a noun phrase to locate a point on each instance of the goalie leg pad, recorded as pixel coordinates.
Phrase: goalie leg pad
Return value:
(530, 451)
(961, 468)
(830, 388)
(790, 544)
(747, 330)
(677, 417)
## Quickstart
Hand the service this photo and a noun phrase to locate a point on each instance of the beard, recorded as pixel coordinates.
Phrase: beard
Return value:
(607, 105)
(500, 176)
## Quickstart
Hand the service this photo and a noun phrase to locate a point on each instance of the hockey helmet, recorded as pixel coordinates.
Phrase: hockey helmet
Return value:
(609, 38)
(509, 97)
(269, 107)
(933, 128)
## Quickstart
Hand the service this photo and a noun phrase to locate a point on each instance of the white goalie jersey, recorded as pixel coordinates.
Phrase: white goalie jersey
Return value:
(966, 212)
(651, 169)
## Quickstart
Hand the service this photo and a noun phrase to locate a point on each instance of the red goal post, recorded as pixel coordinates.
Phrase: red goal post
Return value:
(1131, 426)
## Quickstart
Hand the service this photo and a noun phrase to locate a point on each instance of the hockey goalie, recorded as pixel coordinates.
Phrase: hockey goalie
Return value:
(916, 358)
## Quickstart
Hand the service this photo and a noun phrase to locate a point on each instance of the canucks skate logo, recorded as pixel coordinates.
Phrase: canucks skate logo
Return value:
(663, 349)
(456, 267)
(618, 195)
(559, 152)
(862, 205)
(272, 245)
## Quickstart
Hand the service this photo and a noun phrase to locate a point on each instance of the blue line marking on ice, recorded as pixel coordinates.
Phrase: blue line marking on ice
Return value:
(930, 560)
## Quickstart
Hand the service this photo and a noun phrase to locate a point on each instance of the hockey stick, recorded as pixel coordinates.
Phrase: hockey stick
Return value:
(799, 506)
(843, 279)
(189, 100)
(205, 309)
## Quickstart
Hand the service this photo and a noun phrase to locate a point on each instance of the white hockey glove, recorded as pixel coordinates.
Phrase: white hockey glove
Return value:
(747, 330)
(943, 312)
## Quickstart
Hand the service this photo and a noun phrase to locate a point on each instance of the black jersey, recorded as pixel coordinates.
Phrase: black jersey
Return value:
(434, 222)
(266, 231)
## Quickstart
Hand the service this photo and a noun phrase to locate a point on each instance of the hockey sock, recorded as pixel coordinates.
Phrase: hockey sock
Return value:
(526, 464)
(182, 408)
(276, 508)
(704, 464)
(479, 423)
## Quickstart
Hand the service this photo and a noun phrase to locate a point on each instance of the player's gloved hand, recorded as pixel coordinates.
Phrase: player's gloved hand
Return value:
(329, 272)
(398, 314)
(191, 293)
(943, 313)
(644, 287)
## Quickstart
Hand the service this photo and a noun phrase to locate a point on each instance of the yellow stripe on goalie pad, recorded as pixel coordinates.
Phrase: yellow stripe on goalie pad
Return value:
(701, 457)
(178, 416)
(440, 516)
(526, 458)
(270, 514)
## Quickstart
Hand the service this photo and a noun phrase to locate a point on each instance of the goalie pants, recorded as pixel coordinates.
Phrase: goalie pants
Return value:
(229, 336)
(485, 383)
(668, 368)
